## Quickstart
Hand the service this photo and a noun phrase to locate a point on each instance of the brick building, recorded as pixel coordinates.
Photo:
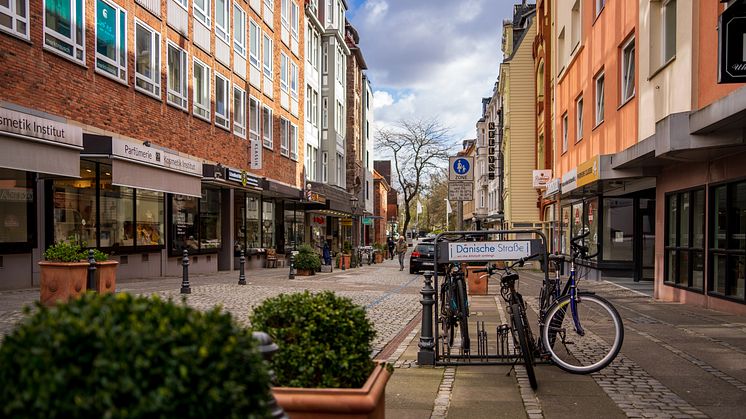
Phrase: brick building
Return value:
(380, 204)
(383, 167)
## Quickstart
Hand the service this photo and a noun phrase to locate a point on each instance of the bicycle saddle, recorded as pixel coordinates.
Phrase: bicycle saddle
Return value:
(511, 277)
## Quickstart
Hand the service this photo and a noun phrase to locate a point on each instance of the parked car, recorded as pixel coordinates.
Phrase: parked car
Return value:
(422, 257)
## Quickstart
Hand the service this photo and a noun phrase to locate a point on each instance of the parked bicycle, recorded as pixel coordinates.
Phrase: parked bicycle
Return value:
(580, 332)
(454, 308)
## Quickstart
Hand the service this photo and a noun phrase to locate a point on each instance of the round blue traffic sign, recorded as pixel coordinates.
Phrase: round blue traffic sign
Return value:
(461, 166)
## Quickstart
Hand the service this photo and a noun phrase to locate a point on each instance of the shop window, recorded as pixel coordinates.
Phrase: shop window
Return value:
(294, 229)
(75, 207)
(618, 229)
(195, 222)
(239, 112)
(201, 89)
(247, 233)
(209, 219)
(17, 203)
(147, 60)
(268, 224)
(149, 216)
(684, 239)
(63, 28)
(222, 101)
(14, 17)
(111, 40)
(118, 227)
(177, 76)
(728, 250)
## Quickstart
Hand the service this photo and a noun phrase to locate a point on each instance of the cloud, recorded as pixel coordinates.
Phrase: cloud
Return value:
(431, 59)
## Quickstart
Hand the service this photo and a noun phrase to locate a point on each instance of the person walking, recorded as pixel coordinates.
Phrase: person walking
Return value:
(401, 250)
(392, 246)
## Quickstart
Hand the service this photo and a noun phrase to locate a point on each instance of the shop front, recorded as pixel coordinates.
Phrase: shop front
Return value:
(333, 222)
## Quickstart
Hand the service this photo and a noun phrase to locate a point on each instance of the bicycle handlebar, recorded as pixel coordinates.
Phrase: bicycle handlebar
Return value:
(491, 269)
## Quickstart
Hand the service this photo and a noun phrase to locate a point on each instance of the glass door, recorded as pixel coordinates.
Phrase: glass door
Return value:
(645, 262)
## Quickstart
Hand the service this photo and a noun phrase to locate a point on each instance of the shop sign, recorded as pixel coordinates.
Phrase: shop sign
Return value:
(491, 150)
(588, 171)
(315, 197)
(541, 177)
(368, 221)
(242, 177)
(346, 221)
(552, 187)
(486, 251)
(318, 219)
(40, 128)
(732, 44)
(16, 194)
(256, 154)
(142, 153)
(569, 180)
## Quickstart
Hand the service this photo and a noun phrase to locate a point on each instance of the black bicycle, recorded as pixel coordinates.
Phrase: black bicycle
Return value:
(454, 308)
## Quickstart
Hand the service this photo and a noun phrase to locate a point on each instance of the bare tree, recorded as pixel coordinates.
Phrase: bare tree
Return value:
(418, 148)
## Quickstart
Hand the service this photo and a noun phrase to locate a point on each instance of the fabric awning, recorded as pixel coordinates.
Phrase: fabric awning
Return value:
(155, 179)
(41, 157)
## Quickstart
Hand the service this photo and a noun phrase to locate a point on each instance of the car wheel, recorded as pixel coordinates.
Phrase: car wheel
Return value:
(412, 271)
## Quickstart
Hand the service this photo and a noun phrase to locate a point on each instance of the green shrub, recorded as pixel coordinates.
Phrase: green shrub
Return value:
(324, 340)
(307, 259)
(118, 356)
(64, 252)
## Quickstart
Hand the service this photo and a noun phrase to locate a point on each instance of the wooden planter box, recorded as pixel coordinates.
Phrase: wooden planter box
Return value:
(106, 276)
(368, 401)
(61, 281)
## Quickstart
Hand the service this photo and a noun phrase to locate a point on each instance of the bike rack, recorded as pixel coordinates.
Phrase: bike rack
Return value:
(434, 349)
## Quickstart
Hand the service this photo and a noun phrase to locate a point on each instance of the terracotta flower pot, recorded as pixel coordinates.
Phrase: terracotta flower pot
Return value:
(369, 401)
(304, 272)
(106, 276)
(476, 281)
(61, 281)
(379, 258)
(344, 260)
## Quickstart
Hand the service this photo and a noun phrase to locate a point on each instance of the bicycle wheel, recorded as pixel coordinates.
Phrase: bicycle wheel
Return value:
(519, 329)
(598, 344)
(463, 316)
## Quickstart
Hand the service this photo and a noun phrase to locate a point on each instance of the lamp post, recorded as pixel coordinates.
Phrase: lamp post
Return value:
(355, 232)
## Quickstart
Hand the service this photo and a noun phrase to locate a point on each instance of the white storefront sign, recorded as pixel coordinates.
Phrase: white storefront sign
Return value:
(487, 251)
(40, 128)
(541, 177)
(553, 187)
(570, 180)
(139, 152)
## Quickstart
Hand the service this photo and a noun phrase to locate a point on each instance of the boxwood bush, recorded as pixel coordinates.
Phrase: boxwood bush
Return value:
(119, 356)
(307, 259)
(324, 340)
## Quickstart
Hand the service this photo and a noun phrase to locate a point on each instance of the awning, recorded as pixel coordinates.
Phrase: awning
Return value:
(148, 177)
(34, 156)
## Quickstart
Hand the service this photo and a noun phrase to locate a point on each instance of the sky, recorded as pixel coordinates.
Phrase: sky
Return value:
(431, 59)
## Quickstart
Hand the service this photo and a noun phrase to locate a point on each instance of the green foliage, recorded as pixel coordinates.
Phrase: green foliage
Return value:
(305, 248)
(307, 259)
(120, 356)
(64, 252)
(99, 255)
(346, 248)
(324, 340)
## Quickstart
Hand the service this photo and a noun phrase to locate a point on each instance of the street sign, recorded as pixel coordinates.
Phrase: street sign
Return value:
(487, 251)
(460, 191)
(461, 168)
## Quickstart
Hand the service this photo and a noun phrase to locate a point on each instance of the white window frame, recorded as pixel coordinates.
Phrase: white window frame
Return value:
(202, 15)
(179, 99)
(294, 20)
(325, 167)
(565, 129)
(339, 56)
(284, 72)
(120, 61)
(76, 40)
(600, 97)
(325, 113)
(267, 121)
(285, 14)
(325, 59)
(255, 44)
(627, 64)
(255, 119)
(293, 141)
(309, 96)
(201, 99)
(284, 136)
(330, 11)
(155, 61)
(222, 29)
(579, 118)
(239, 30)
(340, 170)
(239, 111)
(315, 109)
(293, 80)
(600, 5)
(16, 19)
(668, 7)
(223, 120)
(268, 56)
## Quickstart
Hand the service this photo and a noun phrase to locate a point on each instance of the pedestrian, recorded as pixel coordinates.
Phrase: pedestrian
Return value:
(392, 246)
(401, 250)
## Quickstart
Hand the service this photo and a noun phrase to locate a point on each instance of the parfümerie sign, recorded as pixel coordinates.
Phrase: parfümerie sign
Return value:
(487, 251)
(139, 152)
(34, 127)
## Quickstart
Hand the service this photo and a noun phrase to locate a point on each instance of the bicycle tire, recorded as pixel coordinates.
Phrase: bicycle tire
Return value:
(463, 316)
(520, 330)
(597, 347)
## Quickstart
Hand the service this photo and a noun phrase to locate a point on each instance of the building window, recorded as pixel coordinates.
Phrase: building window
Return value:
(201, 10)
(628, 70)
(728, 238)
(284, 136)
(247, 233)
(325, 167)
(340, 170)
(17, 210)
(669, 30)
(147, 59)
(239, 111)
(684, 239)
(576, 23)
(111, 40)
(285, 14)
(201, 88)
(294, 20)
(254, 43)
(599, 98)
(564, 132)
(308, 104)
(284, 72)
(330, 11)
(324, 112)
(579, 118)
(222, 20)
(293, 141)
(267, 56)
(63, 28)
(222, 102)
(600, 4)
(267, 126)
(14, 18)
(325, 59)
(177, 76)
(311, 153)
(239, 30)
(254, 119)
(293, 80)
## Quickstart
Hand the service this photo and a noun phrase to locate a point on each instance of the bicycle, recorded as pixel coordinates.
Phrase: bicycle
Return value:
(454, 308)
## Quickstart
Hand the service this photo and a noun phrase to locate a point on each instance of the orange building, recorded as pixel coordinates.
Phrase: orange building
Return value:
(380, 206)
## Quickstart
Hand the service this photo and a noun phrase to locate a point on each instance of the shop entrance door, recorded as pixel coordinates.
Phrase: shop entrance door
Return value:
(645, 239)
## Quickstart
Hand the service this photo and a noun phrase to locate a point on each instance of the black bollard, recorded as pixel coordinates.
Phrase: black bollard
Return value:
(426, 354)
(241, 275)
(185, 288)
(268, 348)
(91, 271)
(291, 274)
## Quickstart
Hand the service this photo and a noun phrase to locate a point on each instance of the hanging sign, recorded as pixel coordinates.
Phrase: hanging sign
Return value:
(256, 153)
(732, 44)
(491, 150)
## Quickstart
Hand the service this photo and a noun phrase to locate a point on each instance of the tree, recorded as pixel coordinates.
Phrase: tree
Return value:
(417, 148)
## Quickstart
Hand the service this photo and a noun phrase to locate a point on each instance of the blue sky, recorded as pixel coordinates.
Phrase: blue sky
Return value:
(431, 59)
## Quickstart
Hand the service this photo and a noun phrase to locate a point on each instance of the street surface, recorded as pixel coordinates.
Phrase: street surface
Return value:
(677, 361)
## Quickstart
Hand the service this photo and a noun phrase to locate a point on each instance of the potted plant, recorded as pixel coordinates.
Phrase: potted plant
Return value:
(323, 364)
(63, 273)
(117, 355)
(307, 262)
(380, 251)
(344, 256)
(106, 272)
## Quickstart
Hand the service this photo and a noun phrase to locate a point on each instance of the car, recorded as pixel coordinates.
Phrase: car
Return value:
(422, 257)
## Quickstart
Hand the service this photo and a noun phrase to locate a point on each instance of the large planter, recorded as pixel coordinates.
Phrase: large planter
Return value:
(476, 281)
(378, 257)
(344, 261)
(368, 401)
(304, 272)
(106, 276)
(61, 281)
